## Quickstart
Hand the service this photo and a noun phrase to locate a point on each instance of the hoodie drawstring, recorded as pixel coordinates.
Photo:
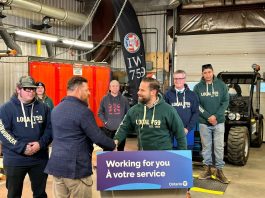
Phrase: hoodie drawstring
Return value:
(153, 116)
(177, 100)
(144, 116)
(24, 115)
(31, 116)
(207, 89)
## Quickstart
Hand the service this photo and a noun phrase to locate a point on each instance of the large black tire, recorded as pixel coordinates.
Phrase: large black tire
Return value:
(257, 138)
(238, 145)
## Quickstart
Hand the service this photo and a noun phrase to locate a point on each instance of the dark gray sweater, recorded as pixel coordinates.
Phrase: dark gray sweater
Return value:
(112, 110)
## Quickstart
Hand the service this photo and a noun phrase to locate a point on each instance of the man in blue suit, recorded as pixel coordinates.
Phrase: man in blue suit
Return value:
(75, 131)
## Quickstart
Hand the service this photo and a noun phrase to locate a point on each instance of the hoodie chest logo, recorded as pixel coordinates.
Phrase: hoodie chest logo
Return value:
(211, 94)
(154, 124)
(36, 119)
(180, 104)
(114, 109)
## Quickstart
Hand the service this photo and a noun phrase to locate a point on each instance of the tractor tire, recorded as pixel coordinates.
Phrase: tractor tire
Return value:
(258, 136)
(238, 145)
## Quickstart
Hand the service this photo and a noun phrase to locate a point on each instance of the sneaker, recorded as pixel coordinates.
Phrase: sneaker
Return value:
(219, 175)
(206, 174)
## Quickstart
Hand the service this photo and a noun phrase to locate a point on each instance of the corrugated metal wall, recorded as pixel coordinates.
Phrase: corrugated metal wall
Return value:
(117, 62)
(59, 28)
(154, 35)
(226, 52)
(11, 68)
(153, 29)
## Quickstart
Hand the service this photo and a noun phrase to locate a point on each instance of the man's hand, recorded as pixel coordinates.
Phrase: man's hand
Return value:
(28, 151)
(212, 120)
(116, 142)
(186, 131)
(34, 147)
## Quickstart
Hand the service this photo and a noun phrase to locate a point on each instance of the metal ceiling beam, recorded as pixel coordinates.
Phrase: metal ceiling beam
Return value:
(159, 5)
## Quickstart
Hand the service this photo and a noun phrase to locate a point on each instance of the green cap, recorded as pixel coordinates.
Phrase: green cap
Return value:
(27, 81)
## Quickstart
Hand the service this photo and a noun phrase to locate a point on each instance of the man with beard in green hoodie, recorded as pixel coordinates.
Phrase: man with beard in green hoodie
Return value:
(214, 99)
(155, 121)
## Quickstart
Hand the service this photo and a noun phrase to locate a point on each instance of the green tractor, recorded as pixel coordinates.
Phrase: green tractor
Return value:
(244, 122)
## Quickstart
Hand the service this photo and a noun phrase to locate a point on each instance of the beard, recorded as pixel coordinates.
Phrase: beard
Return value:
(84, 99)
(143, 100)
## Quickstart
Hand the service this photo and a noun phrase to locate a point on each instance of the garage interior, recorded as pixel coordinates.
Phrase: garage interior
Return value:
(177, 34)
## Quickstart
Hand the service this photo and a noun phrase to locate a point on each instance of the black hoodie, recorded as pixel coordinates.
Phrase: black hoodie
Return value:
(112, 110)
(23, 123)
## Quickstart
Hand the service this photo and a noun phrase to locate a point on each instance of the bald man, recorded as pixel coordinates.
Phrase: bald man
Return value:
(113, 108)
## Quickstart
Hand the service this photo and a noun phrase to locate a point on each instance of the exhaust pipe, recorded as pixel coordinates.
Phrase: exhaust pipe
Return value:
(9, 41)
(57, 13)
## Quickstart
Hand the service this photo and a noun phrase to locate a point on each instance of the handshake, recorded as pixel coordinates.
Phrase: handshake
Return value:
(116, 142)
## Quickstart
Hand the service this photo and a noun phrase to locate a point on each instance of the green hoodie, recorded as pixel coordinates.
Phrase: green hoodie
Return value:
(213, 98)
(155, 126)
(47, 100)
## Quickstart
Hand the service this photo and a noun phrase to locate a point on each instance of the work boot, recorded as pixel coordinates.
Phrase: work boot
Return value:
(219, 175)
(206, 174)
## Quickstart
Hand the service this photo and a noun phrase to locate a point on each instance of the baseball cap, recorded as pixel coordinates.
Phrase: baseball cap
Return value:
(40, 84)
(27, 81)
(207, 66)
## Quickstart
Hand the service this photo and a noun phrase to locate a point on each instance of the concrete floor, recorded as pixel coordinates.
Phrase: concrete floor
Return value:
(247, 181)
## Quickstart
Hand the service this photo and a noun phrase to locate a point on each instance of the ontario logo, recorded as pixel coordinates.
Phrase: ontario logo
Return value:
(131, 42)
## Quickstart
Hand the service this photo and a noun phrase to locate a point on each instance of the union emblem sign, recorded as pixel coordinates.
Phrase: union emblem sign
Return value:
(132, 42)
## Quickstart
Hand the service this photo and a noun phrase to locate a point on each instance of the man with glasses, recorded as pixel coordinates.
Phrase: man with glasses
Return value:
(25, 133)
(186, 103)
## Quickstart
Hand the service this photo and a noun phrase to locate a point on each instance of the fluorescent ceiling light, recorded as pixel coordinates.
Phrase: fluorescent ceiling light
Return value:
(77, 43)
(53, 38)
(37, 35)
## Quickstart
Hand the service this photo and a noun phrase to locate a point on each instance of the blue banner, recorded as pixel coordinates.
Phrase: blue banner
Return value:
(135, 170)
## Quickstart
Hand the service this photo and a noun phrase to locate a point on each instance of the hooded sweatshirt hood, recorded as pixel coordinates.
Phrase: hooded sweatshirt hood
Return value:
(186, 103)
(155, 126)
(21, 124)
(213, 98)
(23, 106)
(179, 96)
(47, 100)
(112, 110)
(158, 100)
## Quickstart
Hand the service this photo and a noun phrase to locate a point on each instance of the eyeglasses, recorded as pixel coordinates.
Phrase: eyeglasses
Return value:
(29, 89)
(178, 78)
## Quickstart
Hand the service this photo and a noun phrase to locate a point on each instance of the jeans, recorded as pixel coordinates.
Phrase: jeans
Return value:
(212, 137)
(15, 176)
